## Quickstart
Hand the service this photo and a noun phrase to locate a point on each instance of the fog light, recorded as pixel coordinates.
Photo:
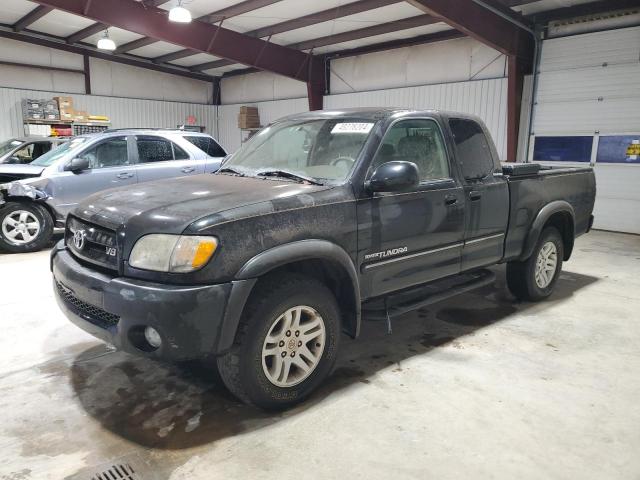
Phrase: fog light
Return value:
(153, 337)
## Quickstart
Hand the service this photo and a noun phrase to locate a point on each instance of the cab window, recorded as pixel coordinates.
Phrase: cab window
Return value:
(472, 148)
(418, 141)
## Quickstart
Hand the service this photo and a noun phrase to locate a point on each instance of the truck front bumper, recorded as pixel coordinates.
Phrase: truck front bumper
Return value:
(192, 321)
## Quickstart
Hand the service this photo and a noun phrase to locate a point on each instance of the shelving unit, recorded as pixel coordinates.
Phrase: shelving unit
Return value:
(77, 128)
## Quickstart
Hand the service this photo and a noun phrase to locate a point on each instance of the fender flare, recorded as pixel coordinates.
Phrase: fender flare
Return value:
(280, 256)
(545, 213)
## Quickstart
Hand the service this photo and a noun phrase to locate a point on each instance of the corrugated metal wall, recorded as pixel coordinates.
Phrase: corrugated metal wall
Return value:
(124, 112)
(485, 98)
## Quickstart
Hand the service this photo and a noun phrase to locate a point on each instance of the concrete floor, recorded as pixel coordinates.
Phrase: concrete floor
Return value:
(475, 387)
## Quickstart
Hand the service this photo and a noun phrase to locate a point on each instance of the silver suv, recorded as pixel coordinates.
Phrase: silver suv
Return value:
(35, 198)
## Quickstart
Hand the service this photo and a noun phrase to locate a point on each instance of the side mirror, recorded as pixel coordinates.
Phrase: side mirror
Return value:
(394, 176)
(78, 164)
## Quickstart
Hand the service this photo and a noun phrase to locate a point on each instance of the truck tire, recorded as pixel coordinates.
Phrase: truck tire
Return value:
(535, 278)
(286, 343)
(24, 227)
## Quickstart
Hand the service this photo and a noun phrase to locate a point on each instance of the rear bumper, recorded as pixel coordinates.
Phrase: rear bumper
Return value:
(193, 321)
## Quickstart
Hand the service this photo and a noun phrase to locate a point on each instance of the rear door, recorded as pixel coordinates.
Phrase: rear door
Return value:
(110, 165)
(409, 238)
(486, 194)
(215, 153)
(159, 157)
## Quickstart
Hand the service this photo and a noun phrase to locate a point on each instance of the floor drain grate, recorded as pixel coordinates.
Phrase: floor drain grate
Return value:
(118, 472)
(129, 467)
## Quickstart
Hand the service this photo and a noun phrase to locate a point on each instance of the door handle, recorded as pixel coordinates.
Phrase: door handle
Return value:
(188, 169)
(450, 200)
(124, 175)
(474, 195)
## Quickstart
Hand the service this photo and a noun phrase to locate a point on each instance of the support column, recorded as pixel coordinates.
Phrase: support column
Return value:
(514, 102)
(87, 75)
(315, 93)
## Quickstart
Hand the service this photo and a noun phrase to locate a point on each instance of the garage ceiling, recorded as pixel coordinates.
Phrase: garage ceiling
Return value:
(324, 27)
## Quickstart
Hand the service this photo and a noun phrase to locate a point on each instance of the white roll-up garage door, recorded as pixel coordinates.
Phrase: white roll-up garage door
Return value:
(588, 111)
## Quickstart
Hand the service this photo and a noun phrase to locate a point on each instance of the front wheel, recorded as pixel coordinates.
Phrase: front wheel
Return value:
(535, 278)
(24, 227)
(286, 343)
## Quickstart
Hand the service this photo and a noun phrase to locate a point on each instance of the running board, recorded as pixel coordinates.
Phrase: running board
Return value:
(415, 298)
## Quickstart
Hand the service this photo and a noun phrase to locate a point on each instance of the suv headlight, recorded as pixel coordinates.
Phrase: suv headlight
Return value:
(172, 253)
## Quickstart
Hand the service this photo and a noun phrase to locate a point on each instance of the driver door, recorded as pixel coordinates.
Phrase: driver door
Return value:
(409, 238)
(110, 165)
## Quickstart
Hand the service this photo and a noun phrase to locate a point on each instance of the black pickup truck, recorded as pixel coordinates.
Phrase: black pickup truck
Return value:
(319, 221)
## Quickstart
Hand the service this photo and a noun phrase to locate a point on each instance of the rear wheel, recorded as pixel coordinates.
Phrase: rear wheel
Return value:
(24, 227)
(286, 344)
(535, 278)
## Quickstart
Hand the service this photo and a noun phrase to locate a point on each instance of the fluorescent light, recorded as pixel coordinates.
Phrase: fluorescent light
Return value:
(180, 14)
(105, 43)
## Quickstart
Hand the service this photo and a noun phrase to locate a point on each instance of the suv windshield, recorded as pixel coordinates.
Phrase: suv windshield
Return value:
(9, 145)
(52, 155)
(322, 149)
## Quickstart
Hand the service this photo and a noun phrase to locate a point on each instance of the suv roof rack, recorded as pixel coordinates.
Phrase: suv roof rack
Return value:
(109, 130)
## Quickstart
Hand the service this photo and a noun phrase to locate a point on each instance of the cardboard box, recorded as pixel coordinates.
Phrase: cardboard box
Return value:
(64, 103)
(249, 110)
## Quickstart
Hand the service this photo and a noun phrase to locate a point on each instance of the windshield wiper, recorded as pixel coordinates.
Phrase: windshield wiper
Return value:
(231, 170)
(287, 174)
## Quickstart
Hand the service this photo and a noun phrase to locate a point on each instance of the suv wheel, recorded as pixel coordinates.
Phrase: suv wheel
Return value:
(535, 278)
(286, 343)
(24, 227)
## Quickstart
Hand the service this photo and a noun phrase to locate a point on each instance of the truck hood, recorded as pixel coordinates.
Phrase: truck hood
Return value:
(172, 205)
(11, 172)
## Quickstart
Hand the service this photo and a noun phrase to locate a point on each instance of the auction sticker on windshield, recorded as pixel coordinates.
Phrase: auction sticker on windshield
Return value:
(352, 128)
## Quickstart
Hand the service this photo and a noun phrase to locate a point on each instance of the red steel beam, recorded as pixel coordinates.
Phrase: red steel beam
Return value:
(301, 22)
(217, 16)
(482, 24)
(98, 27)
(515, 84)
(389, 27)
(31, 17)
(202, 37)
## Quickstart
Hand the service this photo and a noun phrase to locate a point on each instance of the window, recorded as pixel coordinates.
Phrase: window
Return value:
(24, 155)
(472, 148)
(563, 149)
(60, 151)
(325, 149)
(418, 141)
(158, 149)
(619, 149)
(110, 153)
(207, 145)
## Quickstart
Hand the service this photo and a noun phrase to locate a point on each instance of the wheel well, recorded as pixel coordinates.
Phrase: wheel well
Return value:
(336, 278)
(49, 210)
(563, 221)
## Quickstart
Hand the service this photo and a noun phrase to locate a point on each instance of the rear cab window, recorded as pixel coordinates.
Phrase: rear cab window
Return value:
(473, 149)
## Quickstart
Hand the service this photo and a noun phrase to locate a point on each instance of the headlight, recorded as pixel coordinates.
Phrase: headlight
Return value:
(172, 253)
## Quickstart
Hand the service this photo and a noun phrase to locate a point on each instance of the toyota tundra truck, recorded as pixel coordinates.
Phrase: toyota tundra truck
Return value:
(320, 221)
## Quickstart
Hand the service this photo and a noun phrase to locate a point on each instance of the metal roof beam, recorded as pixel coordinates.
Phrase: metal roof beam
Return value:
(31, 17)
(389, 27)
(98, 27)
(593, 8)
(58, 43)
(217, 16)
(200, 36)
(470, 17)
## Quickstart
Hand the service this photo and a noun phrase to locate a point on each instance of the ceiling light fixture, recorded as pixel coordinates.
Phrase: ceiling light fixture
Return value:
(180, 14)
(105, 43)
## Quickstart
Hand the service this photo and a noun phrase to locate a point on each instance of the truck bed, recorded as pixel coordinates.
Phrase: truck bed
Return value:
(533, 186)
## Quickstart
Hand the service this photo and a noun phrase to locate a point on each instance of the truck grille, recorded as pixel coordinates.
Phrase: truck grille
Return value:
(94, 314)
(92, 243)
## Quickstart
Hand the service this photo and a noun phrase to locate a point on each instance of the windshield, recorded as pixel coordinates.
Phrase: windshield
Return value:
(54, 154)
(322, 149)
(6, 147)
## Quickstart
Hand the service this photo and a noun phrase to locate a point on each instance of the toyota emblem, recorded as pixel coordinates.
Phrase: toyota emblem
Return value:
(78, 239)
